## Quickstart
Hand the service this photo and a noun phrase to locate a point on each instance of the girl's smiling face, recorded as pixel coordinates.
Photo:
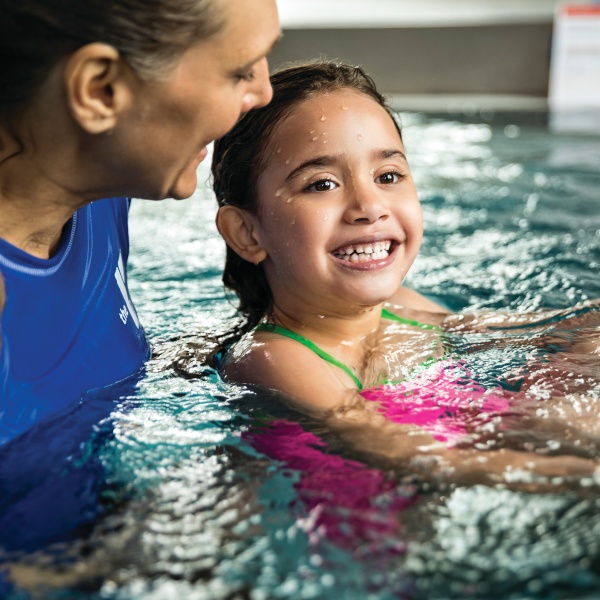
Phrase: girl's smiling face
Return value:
(338, 212)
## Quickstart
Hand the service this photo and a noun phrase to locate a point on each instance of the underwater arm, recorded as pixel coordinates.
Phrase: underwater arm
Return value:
(415, 453)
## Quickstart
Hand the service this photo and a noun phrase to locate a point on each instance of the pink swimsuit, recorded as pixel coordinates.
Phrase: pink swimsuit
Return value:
(442, 399)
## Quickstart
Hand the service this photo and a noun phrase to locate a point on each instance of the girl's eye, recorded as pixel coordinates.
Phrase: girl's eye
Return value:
(323, 185)
(389, 177)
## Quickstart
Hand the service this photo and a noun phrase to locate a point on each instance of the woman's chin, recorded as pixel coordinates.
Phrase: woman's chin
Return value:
(184, 188)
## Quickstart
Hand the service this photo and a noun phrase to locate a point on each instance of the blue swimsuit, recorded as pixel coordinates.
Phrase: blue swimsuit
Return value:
(68, 324)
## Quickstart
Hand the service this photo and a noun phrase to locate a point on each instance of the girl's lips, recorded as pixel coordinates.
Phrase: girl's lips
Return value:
(368, 261)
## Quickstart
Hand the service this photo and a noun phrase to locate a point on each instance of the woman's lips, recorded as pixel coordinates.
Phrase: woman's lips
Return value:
(202, 154)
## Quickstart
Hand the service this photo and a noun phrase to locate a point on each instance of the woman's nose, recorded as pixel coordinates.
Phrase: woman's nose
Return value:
(366, 205)
(259, 91)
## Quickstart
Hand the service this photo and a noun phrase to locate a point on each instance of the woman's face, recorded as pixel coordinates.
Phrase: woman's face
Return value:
(338, 212)
(164, 135)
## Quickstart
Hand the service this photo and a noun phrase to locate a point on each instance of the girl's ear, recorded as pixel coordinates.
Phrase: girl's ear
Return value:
(237, 227)
(98, 86)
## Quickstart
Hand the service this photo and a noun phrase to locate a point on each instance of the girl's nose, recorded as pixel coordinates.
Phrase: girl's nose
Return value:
(366, 205)
(259, 91)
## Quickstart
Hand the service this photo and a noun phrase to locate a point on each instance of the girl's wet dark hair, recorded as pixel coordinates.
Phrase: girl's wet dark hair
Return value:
(149, 34)
(240, 156)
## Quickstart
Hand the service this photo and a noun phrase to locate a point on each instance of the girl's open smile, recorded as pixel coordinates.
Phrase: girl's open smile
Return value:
(367, 254)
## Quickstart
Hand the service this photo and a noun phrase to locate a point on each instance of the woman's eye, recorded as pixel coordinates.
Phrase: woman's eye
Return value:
(389, 177)
(246, 76)
(323, 185)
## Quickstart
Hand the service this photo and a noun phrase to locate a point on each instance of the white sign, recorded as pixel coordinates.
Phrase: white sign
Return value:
(574, 92)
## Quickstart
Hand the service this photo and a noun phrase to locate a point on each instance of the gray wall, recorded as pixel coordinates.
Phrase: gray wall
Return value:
(491, 59)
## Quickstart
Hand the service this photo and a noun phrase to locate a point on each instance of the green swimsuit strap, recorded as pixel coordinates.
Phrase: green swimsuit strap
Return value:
(311, 346)
(386, 314)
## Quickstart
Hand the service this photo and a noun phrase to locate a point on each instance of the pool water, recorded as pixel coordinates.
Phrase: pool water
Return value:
(178, 485)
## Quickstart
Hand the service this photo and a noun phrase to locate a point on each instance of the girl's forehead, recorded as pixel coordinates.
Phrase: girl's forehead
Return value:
(325, 114)
(341, 99)
(324, 111)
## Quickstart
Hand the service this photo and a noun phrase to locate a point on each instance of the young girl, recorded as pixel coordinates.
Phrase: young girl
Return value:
(322, 222)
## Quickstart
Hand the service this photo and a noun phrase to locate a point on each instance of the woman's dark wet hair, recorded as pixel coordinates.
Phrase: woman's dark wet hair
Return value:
(149, 34)
(240, 156)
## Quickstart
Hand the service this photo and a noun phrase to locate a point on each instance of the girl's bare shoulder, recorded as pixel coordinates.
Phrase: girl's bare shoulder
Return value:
(273, 361)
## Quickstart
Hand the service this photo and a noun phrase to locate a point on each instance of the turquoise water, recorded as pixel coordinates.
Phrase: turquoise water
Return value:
(175, 486)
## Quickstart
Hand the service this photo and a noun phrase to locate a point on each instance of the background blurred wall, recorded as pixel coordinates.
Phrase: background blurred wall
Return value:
(434, 47)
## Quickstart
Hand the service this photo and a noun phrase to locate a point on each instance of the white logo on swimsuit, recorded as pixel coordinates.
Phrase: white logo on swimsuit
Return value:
(127, 308)
(124, 313)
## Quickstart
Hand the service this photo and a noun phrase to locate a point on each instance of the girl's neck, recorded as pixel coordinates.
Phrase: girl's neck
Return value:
(331, 329)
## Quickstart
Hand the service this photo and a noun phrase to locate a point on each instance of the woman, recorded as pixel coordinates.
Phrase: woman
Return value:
(101, 102)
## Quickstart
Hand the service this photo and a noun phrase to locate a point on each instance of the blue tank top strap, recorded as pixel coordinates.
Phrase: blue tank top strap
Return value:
(311, 346)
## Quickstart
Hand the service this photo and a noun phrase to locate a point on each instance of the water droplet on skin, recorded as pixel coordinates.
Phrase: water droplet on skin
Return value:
(315, 138)
(289, 200)
(345, 108)
(287, 162)
(323, 118)
(371, 171)
(312, 131)
(278, 192)
(278, 150)
(294, 221)
(324, 141)
(359, 137)
(326, 218)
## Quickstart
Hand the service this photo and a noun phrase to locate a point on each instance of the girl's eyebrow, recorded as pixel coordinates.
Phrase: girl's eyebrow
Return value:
(326, 160)
(390, 153)
(318, 161)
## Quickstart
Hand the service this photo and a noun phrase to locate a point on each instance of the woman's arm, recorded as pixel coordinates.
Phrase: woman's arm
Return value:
(583, 314)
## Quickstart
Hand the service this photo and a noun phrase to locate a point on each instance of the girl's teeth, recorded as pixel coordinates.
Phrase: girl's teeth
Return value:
(365, 252)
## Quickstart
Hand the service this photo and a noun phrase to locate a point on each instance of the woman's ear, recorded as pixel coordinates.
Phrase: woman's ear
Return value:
(98, 86)
(238, 229)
